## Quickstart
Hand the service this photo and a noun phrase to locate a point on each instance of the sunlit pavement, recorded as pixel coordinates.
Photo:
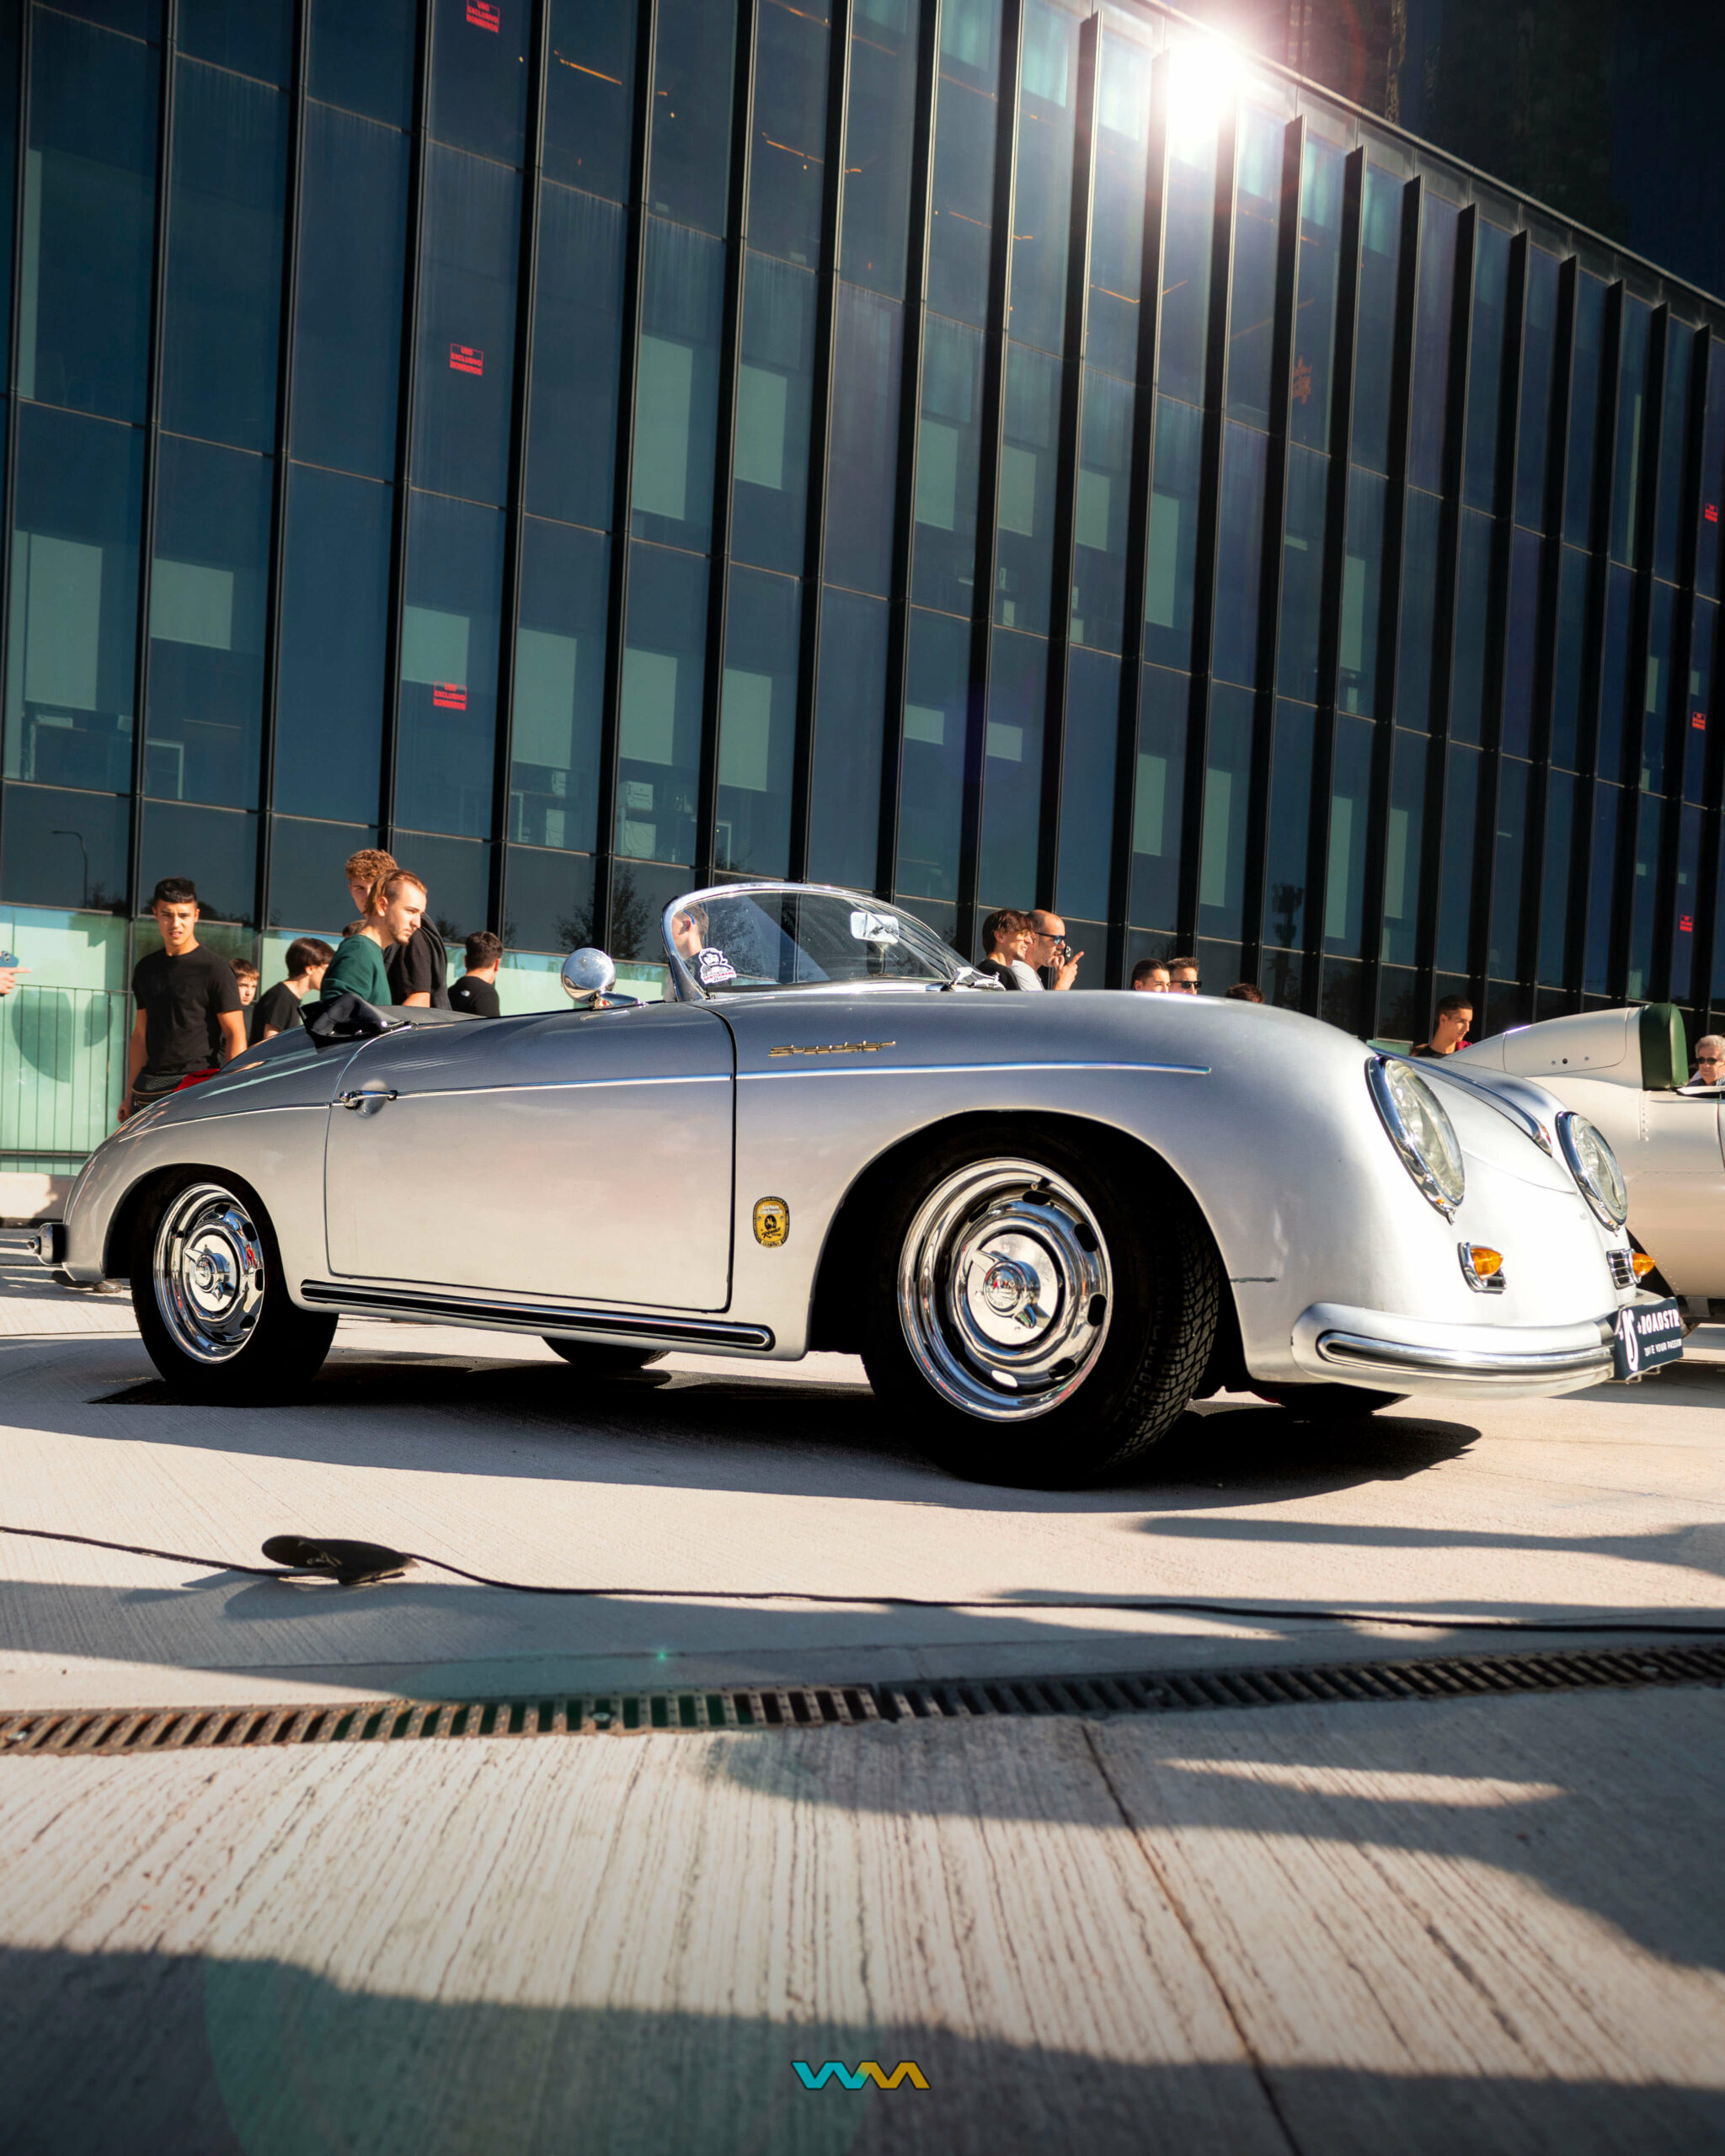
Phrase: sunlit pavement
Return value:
(1491, 1923)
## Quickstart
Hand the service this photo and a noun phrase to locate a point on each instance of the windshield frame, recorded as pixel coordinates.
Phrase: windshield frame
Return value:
(690, 990)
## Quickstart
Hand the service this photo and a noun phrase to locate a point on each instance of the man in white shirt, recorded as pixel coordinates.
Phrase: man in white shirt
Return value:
(1047, 946)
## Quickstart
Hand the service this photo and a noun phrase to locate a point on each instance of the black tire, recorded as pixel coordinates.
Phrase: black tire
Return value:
(953, 1235)
(597, 1361)
(1326, 1403)
(210, 1297)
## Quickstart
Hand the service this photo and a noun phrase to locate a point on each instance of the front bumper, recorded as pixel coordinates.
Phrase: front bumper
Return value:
(1336, 1345)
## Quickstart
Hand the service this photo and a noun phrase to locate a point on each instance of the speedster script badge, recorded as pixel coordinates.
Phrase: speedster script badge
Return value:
(772, 1222)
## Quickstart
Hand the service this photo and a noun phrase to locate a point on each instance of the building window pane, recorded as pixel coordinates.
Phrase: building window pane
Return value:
(1485, 364)
(1526, 555)
(1253, 308)
(547, 901)
(1419, 577)
(1042, 214)
(480, 75)
(1554, 900)
(1631, 429)
(676, 387)
(1350, 806)
(879, 117)
(1689, 853)
(1025, 523)
(1655, 717)
(863, 456)
(1503, 960)
(1288, 853)
(577, 336)
(136, 17)
(1404, 848)
(1170, 578)
(255, 39)
(694, 62)
(1362, 583)
(1539, 332)
(307, 893)
(1702, 629)
(58, 848)
(207, 587)
(1188, 238)
(1674, 444)
(449, 651)
(1122, 150)
(850, 706)
(1227, 784)
(1467, 675)
(216, 847)
(1712, 486)
(590, 81)
(1304, 526)
(334, 610)
(1432, 306)
(757, 724)
(1456, 877)
(931, 771)
(943, 574)
(770, 455)
(1099, 525)
(89, 195)
(1584, 408)
(789, 160)
(967, 112)
(1374, 330)
(70, 653)
(1572, 637)
(1011, 770)
(659, 725)
(1649, 821)
(1613, 672)
(457, 875)
(1158, 798)
(353, 242)
(1088, 785)
(363, 57)
(1601, 897)
(1239, 554)
(560, 686)
(1315, 304)
(466, 326)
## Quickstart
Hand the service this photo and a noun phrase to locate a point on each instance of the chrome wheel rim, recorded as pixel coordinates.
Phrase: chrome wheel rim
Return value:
(209, 1274)
(1005, 1291)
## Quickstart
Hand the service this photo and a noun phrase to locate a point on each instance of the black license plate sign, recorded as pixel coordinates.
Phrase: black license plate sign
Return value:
(1648, 1335)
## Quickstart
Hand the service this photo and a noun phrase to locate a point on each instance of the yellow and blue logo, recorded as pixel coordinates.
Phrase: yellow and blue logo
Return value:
(869, 2071)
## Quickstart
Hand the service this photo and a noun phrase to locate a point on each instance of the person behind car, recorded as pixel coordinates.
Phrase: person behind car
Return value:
(1152, 977)
(1243, 991)
(1183, 973)
(9, 974)
(247, 974)
(689, 929)
(1004, 933)
(188, 1022)
(1047, 951)
(1454, 1017)
(419, 969)
(278, 1009)
(1709, 1063)
(395, 908)
(477, 989)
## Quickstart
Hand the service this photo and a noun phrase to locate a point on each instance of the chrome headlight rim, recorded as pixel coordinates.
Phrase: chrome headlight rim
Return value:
(1609, 1206)
(1383, 1076)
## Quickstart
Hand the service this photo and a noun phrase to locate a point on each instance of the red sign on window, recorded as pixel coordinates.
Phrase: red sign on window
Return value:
(1712, 512)
(1699, 722)
(466, 361)
(483, 16)
(1686, 922)
(449, 695)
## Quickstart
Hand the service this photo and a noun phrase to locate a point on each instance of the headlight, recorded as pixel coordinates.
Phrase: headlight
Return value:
(1595, 1166)
(1423, 1135)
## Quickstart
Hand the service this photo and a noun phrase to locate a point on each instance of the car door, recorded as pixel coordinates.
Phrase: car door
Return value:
(1677, 1190)
(579, 1154)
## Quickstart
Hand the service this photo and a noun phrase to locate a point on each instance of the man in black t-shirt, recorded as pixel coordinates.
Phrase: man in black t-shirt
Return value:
(477, 989)
(189, 1022)
(1454, 1017)
(278, 1011)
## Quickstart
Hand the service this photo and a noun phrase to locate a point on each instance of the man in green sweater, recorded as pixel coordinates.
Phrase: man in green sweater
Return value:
(393, 910)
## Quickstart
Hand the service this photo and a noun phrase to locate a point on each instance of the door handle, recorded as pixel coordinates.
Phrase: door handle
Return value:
(359, 1100)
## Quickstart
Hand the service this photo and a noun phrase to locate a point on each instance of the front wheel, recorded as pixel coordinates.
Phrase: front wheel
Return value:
(211, 1301)
(1042, 1316)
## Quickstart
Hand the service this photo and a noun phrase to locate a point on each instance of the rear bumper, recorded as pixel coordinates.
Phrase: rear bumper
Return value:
(1336, 1345)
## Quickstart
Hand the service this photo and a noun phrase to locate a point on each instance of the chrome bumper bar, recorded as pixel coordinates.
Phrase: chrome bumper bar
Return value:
(1353, 1352)
(1365, 1346)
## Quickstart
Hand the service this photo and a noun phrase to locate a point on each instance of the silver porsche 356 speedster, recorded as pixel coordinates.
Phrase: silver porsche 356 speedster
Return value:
(1046, 1222)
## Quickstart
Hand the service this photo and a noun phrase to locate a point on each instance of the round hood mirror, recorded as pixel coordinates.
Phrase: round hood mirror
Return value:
(587, 974)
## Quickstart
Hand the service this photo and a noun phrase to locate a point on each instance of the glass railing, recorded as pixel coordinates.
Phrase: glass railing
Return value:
(62, 1063)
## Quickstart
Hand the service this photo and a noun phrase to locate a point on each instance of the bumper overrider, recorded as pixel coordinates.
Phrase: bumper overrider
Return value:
(1339, 1345)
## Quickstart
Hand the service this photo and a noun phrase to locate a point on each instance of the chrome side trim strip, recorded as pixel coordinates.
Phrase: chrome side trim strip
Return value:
(1356, 1351)
(525, 1317)
(969, 1069)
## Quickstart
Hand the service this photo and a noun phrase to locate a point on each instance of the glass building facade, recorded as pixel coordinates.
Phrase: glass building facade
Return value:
(990, 451)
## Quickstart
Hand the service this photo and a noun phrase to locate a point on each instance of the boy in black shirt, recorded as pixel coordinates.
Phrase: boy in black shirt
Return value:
(477, 989)
(308, 961)
(189, 1022)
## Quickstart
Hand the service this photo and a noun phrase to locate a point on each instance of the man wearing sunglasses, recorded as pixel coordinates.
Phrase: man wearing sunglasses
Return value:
(1710, 1064)
(1185, 974)
(1048, 949)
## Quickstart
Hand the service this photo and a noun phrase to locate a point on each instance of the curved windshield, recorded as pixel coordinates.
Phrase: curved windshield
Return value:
(745, 938)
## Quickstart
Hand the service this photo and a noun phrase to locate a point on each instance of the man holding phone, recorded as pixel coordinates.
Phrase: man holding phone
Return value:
(1048, 951)
(10, 968)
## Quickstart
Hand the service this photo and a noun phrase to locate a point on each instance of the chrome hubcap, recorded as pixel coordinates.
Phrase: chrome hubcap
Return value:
(1004, 1289)
(209, 1274)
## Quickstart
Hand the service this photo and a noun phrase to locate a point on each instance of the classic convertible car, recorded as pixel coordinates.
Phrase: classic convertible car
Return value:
(1046, 1222)
(1626, 1071)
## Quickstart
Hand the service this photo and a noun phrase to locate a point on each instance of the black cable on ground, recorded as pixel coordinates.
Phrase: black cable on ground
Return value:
(356, 1563)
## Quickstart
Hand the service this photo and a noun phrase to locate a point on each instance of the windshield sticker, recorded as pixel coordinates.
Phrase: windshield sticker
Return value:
(873, 927)
(712, 966)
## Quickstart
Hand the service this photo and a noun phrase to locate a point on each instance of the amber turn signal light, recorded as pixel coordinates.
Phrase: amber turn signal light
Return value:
(1642, 1263)
(1485, 1263)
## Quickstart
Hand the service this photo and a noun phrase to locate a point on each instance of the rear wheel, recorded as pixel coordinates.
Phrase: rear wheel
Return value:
(210, 1298)
(1040, 1316)
(601, 1362)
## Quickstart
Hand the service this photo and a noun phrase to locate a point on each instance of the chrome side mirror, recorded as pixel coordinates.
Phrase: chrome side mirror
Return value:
(586, 975)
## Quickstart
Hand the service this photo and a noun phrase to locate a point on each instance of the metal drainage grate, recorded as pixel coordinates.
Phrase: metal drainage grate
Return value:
(135, 1730)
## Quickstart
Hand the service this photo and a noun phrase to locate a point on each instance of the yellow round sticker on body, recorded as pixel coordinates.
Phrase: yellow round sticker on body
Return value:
(772, 1222)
